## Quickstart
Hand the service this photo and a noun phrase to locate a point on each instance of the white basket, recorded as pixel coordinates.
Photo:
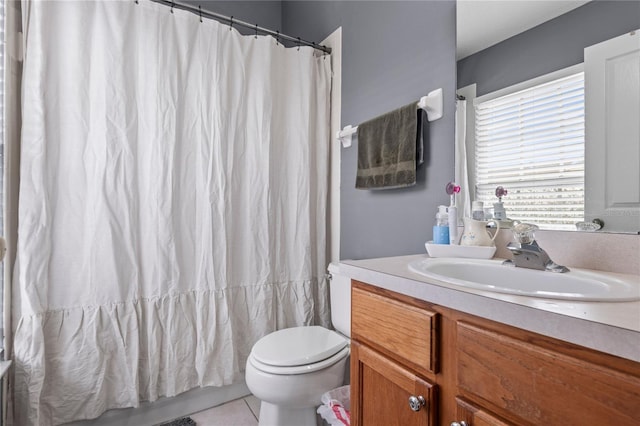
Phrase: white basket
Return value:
(336, 405)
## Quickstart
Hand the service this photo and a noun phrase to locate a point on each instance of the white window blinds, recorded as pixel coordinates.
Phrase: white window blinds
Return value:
(532, 143)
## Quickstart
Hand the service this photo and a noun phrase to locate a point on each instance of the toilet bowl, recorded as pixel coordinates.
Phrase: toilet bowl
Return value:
(290, 369)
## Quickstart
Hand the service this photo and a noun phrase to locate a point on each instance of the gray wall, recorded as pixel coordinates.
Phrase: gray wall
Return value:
(394, 52)
(554, 45)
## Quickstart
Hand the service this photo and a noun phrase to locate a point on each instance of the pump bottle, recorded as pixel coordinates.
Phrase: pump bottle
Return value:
(441, 228)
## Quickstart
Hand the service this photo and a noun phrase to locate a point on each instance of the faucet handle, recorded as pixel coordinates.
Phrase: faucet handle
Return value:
(524, 232)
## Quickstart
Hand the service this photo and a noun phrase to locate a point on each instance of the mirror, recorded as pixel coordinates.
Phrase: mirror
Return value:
(496, 49)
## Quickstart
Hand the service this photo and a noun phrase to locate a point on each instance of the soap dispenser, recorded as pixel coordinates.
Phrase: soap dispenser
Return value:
(441, 228)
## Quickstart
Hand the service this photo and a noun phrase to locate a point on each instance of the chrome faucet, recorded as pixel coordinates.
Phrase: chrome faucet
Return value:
(527, 253)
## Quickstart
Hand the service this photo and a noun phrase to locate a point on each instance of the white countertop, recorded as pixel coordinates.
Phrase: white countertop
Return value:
(611, 327)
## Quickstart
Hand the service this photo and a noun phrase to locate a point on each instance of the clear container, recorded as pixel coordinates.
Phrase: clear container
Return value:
(488, 213)
(477, 210)
(442, 217)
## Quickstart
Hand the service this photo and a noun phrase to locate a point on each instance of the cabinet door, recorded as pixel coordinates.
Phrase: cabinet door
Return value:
(380, 392)
(472, 415)
(539, 386)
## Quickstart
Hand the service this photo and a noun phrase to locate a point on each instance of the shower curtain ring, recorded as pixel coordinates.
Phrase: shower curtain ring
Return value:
(172, 4)
(298, 43)
(256, 36)
(231, 23)
(200, 10)
(277, 37)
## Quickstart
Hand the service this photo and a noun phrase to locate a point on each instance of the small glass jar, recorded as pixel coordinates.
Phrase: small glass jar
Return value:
(477, 210)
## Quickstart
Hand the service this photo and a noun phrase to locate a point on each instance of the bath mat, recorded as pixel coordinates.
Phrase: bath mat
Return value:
(185, 421)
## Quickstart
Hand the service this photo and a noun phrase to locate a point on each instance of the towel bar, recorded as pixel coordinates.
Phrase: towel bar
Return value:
(432, 104)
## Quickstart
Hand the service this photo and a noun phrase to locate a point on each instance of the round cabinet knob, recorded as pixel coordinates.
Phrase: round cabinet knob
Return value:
(462, 423)
(416, 402)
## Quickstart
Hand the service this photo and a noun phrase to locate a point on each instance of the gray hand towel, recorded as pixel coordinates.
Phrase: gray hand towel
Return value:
(389, 149)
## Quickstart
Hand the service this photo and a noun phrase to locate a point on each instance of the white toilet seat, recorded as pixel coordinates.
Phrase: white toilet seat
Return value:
(298, 350)
(300, 369)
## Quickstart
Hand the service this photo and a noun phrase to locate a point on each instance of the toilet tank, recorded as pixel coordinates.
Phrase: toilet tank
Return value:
(340, 293)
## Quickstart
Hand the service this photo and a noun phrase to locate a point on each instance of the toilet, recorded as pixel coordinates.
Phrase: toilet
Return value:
(290, 369)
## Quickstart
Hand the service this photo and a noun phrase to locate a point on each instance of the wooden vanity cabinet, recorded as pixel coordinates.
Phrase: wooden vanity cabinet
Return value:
(476, 372)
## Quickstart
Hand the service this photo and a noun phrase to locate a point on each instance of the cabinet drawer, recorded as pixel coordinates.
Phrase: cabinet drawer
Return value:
(476, 416)
(401, 330)
(536, 385)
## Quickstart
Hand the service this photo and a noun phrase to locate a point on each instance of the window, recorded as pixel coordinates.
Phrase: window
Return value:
(531, 141)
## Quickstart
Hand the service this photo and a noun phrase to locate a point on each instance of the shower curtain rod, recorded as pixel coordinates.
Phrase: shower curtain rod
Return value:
(232, 21)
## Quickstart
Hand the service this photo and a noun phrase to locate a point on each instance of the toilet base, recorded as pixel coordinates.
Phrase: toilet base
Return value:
(274, 415)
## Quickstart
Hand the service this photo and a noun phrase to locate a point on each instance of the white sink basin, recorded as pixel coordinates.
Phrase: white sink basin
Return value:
(491, 275)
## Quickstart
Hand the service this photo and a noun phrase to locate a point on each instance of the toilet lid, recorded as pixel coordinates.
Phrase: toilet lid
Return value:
(298, 346)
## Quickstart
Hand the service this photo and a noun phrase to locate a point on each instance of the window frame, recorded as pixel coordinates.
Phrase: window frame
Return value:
(471, 135)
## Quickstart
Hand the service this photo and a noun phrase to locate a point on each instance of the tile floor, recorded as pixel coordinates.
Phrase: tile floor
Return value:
(240, 412)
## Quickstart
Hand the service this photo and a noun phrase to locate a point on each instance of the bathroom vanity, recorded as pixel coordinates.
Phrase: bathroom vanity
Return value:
(428, 353)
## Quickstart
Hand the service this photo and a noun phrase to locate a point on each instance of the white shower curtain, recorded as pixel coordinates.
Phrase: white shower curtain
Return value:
(172, 203)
